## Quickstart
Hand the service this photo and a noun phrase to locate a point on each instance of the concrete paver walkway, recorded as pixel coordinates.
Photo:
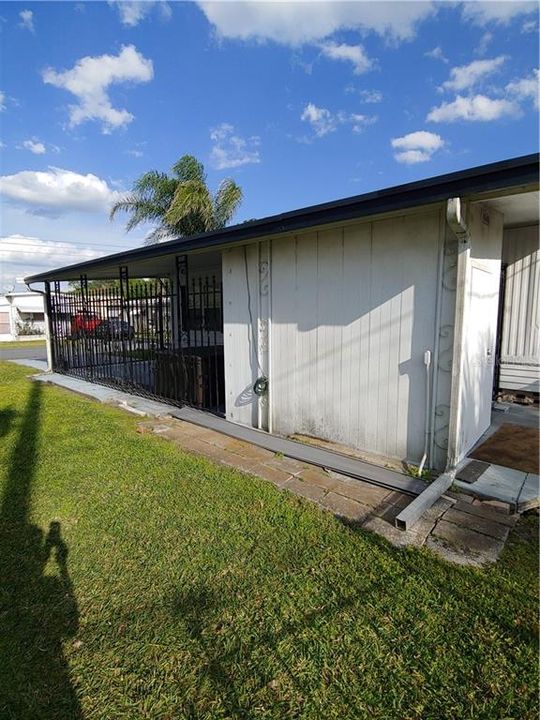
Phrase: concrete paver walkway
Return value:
(457, 527)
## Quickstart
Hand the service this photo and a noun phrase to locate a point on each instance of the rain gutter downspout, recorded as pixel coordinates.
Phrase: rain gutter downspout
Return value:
(414, 511)
(458, 225)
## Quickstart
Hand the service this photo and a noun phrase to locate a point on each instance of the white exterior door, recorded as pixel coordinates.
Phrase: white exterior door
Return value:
(480, 340)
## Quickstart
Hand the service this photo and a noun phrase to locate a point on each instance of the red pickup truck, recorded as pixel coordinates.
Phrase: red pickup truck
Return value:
(84, 323)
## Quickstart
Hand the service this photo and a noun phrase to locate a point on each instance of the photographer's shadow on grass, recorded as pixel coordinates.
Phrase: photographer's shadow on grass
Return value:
(39, 612)
(38, 609)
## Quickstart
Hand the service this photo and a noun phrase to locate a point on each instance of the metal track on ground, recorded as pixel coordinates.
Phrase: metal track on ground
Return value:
(337, 462)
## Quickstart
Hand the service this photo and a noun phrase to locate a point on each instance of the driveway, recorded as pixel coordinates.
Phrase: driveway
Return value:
(23, 353)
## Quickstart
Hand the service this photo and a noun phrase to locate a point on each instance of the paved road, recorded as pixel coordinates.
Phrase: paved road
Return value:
(23, 353)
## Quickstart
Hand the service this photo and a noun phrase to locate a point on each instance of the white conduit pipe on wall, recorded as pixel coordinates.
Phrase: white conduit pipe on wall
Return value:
(427, 363)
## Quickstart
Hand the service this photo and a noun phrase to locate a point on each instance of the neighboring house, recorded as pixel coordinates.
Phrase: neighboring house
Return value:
(21, 316)
(370, 321)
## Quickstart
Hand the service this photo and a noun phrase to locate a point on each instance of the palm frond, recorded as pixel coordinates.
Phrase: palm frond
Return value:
(189, 168)
(192, 210)
(125, 204)
(179, 205)
(226, 202)
(159, 234)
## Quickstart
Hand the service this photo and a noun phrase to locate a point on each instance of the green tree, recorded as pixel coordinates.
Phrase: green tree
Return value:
(180, 204)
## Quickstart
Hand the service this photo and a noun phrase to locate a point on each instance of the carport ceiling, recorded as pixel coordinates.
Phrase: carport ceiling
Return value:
(519, 209)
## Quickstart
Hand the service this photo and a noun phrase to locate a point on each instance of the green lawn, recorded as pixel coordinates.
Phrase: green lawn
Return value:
(141, 582)
(21, 343)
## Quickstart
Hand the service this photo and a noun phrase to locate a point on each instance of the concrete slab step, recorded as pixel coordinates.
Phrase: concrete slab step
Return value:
(529, 496)
(496, 483)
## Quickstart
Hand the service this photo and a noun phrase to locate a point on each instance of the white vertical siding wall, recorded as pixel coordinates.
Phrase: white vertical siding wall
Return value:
(352, 312)
(520, 341)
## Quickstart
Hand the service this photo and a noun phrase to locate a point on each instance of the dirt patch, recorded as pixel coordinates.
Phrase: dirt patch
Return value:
(513, 446)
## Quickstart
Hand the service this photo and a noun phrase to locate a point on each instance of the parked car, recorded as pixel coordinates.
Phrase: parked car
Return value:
(84, 323)
(115, 329)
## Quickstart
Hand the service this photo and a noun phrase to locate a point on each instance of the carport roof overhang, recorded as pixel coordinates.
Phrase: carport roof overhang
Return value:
(517, 175)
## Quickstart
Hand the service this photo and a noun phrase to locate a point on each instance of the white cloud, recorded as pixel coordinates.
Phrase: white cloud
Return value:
(354, 54)
(135, 153)
(230, 150)
(477, 108)
(529, 26)
(485, 40)
(436, 54)
(35, 146)
(131, 13)
(323, 121)
(89, 81)
(481, 12)
(526, 88)
(55, 192)
(357, 121)
(23, 255)
(295, 23)
(13, 248)
(421, 139)
(465, 76)
(27, 20)
(371, 96)
(2, 101)
(416, 147)
(412, 157)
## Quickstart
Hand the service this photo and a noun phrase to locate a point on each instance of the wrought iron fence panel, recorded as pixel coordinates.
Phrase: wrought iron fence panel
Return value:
(158, 339)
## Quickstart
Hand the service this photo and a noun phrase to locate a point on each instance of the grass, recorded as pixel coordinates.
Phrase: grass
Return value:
(21, 343)
(140, 582)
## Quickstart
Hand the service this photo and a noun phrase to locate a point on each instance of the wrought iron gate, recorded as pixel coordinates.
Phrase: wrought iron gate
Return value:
(158, 339)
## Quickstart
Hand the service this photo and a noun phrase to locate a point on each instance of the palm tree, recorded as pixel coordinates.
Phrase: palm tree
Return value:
(181, 204)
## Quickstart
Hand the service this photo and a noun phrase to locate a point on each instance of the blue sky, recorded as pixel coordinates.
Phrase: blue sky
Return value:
(300, 102)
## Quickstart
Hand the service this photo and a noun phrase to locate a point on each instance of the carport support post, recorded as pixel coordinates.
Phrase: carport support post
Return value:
(181, 296)
(47, 309)
(124, 311)
(85, 306)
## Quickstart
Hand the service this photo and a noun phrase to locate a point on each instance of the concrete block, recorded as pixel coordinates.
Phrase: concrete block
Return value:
(467, 542)
(345, 507)
(306, 490)
(253, 452)
(498, 505)
(398, 538)
(272, 474)
(281, 462)
(317, 476)
(457, 555)
(362, 492)
(477, 523)
(487, 511)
